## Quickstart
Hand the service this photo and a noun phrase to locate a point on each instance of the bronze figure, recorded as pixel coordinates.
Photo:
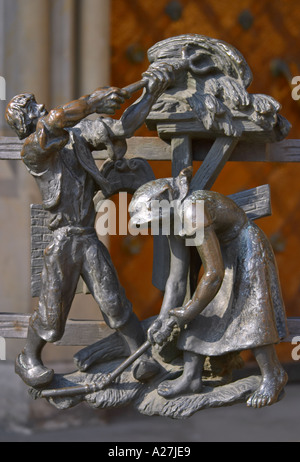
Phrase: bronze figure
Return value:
(237, 304)
(58, 153)
(195, 90)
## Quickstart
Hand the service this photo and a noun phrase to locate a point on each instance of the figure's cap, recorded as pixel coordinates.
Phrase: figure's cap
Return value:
(170, 189)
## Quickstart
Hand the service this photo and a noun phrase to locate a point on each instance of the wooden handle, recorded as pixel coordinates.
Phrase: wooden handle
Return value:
(125, 364)
(94, 387)
(133, 87)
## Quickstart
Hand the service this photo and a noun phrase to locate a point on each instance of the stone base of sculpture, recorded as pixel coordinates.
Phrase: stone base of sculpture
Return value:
(96, 361)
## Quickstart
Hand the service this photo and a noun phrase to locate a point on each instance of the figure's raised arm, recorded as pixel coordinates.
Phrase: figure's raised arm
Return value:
(111, 134)
(51, 129)
(101, 101)
(157, 79)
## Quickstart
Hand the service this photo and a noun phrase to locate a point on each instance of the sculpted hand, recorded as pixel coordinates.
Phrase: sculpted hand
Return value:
(184, 314)
(107, 100)
(159, 76)
(161, 330)
(153, 329)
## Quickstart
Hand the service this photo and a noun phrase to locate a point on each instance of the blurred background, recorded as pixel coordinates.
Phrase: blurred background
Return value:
(62, 49)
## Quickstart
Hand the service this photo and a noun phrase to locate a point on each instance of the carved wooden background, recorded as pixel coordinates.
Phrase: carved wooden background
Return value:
(268, 35)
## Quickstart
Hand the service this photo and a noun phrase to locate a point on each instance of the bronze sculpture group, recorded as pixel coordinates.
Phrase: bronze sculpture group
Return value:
(197, 87)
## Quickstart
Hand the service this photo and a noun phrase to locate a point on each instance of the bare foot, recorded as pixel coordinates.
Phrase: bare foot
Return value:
(269, 391)
(180, 386)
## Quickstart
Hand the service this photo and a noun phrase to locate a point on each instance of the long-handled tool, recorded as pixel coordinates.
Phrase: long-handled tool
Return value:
(136, 86)
(186, 62)
(106, 380)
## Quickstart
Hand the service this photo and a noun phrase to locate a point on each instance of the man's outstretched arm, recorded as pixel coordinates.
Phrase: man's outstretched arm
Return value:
(101, 101)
